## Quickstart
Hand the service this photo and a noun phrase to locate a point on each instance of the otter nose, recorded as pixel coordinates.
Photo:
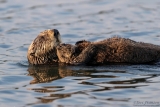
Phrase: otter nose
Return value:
(57, 36)
(56, 32)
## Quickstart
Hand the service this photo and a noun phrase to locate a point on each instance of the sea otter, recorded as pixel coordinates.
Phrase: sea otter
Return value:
(112, 50)
(43, 49)
(67, 53)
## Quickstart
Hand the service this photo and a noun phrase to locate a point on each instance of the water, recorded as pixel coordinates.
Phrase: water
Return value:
(70, 86)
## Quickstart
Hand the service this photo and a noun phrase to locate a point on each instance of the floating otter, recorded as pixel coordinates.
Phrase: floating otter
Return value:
(112, 50)
(43, 49)
(67, 52)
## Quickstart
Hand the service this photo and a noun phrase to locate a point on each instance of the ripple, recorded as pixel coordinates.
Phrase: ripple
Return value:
(37, 6)
(23, 64)
(5, 46)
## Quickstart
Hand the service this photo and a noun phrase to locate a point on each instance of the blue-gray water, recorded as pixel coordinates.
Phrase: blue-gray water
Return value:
(84, 86)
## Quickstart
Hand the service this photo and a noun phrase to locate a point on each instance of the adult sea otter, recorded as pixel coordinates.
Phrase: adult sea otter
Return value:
(43, 49)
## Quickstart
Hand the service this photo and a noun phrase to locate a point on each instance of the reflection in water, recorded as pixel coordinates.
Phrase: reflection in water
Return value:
(103, 81)
(42, 74)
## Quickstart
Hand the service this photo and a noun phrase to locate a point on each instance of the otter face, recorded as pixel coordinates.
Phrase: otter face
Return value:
(54, 35)
(43, 49)
(65, 52)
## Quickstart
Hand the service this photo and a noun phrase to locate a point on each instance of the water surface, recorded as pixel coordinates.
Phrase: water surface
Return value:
(88, 86)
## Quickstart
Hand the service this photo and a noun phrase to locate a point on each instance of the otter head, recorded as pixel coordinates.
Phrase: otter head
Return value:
(65, 52)
(43, 49)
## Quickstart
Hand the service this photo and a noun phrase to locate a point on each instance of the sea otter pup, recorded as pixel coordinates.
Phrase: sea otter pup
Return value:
(112, 50)
(67, 52)
(43, 49)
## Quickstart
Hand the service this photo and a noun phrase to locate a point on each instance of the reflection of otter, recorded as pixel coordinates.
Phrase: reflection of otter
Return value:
(42, 74)
(42, 49)
(112, 50)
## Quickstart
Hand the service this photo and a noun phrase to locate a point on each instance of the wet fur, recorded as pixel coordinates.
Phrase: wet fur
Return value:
(66, 53)
(113, 50)
(43, 49)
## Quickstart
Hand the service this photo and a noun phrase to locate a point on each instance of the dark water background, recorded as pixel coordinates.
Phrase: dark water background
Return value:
(83, 86)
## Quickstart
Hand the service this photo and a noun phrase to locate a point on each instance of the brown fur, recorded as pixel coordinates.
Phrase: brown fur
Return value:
(67, 52)
(112, 50)
(42, 50)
